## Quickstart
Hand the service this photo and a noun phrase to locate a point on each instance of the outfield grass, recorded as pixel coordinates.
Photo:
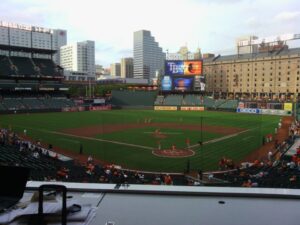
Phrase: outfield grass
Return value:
(40, 126)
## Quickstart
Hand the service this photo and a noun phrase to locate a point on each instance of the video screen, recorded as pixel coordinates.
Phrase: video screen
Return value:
(183, 84)
(192, 67)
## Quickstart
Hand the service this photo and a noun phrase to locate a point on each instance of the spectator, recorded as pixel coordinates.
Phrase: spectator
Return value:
(90, 159)
(270, 155)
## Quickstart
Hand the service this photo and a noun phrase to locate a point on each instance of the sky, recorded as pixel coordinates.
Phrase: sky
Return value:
(212, 25)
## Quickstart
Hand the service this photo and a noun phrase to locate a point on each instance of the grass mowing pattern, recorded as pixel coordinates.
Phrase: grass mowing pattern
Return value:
(39, 126)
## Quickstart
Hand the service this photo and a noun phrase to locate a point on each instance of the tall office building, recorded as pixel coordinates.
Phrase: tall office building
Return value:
(27, 36)
(79, 57)
(115, 69)
(148, 57)
(127, 67)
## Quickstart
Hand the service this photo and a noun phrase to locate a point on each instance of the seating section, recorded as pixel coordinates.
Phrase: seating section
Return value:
(6, 69)
(229, 104)
(192, 100)
(15, 65)
(195, 100)
(173, 100)
(29, 103)
(33, 103)
(12, 104)
(209, 102)
(46, 67)
(23, 65)
(57, 103)
(159, 100)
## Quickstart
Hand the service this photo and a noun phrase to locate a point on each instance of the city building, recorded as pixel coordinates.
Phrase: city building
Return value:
(115, 69)
(28, 36)
(79, 57)
(274, 74)
(184, 54)
(127, 67)
(148, 57)
(208, 55)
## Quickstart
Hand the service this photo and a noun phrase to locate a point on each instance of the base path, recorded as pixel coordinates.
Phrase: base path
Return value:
(177, 153)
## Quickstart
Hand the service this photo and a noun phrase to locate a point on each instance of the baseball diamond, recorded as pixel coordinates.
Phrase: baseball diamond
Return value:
(137, 139)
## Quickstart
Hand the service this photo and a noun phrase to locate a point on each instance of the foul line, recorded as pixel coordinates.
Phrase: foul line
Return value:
(134, 145)
(220, 139)
(102, 140)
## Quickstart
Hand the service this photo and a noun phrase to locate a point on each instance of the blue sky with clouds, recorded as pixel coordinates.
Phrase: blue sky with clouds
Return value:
(213, 25)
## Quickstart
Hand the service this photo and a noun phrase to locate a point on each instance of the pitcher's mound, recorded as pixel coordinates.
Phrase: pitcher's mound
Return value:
(178, 153)
(159, 135)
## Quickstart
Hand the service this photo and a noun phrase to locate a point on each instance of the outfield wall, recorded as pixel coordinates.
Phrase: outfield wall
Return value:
(133, 98)
(179, 108)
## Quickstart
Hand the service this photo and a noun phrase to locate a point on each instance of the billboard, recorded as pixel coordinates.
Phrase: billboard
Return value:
(288, 106)
(192, 108)
(189, 67)
(168, 108)
(249, 110)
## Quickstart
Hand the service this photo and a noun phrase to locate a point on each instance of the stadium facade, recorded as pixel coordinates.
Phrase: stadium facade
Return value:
(28, 36)
(148, 57)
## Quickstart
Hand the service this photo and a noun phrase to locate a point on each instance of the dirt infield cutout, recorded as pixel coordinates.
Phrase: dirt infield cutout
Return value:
(177, 153)
(91, 131)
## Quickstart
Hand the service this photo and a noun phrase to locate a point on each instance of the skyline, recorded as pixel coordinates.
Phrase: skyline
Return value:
(111, 23)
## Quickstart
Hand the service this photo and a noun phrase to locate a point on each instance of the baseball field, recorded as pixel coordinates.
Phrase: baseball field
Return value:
(149, 140)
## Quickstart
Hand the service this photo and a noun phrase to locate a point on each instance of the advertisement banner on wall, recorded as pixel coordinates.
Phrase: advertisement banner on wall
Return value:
(288, 106)
(241, 105)
(192, 108)
(170, 108)
(275, 112)
(248, 110)
(100, 108)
